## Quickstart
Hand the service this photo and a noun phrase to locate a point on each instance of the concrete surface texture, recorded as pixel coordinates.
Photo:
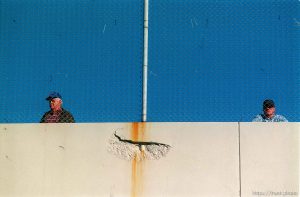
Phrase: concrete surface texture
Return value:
(149, 159)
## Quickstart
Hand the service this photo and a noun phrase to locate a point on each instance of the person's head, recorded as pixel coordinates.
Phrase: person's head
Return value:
(55, 101)
(269, 108)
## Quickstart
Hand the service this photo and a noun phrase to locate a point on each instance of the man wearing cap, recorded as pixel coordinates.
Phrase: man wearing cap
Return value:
(269, 113)
(57, 114)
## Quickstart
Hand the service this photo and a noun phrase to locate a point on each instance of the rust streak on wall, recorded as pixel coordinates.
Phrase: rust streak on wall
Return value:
(134, 178)
(137, 134)
(135, 131)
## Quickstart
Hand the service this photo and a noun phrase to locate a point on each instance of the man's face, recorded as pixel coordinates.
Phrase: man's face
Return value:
(269, 111)
(55, 104)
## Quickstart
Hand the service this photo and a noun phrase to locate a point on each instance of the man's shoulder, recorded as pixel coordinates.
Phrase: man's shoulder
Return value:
(44, 116)
(276, 118)
(46, 113)
(65, 111)
(66, 117)
(258, 118)
(280, 118)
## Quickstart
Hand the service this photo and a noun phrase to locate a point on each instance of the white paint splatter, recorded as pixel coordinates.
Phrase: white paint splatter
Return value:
(195, 21)
(297, 22)
(192, 23)
(153, 73)
(104, 29)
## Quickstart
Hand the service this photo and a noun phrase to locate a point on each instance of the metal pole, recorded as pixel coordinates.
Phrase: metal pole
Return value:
(145, 60)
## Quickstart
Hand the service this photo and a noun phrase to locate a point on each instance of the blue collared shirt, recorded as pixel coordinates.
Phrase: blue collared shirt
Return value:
(263, 118)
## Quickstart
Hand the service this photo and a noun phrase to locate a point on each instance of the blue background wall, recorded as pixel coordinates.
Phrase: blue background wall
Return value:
(218, 60)
(89, 51)
(208, 60)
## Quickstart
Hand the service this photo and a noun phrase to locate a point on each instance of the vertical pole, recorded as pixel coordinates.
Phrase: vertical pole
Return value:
(145, 60)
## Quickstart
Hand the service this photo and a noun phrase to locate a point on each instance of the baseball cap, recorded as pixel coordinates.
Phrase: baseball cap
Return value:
(53, 95)
(268, 104)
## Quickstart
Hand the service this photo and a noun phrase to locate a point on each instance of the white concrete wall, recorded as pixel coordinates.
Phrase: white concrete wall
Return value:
(205, 159)
(270, 159)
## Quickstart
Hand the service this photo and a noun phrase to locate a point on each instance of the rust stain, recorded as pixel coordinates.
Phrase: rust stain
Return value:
(134, 177)
(137, 133)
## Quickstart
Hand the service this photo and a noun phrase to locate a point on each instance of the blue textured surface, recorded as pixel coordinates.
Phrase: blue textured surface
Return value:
(89, 51)
(218, 60)
(208, 60)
